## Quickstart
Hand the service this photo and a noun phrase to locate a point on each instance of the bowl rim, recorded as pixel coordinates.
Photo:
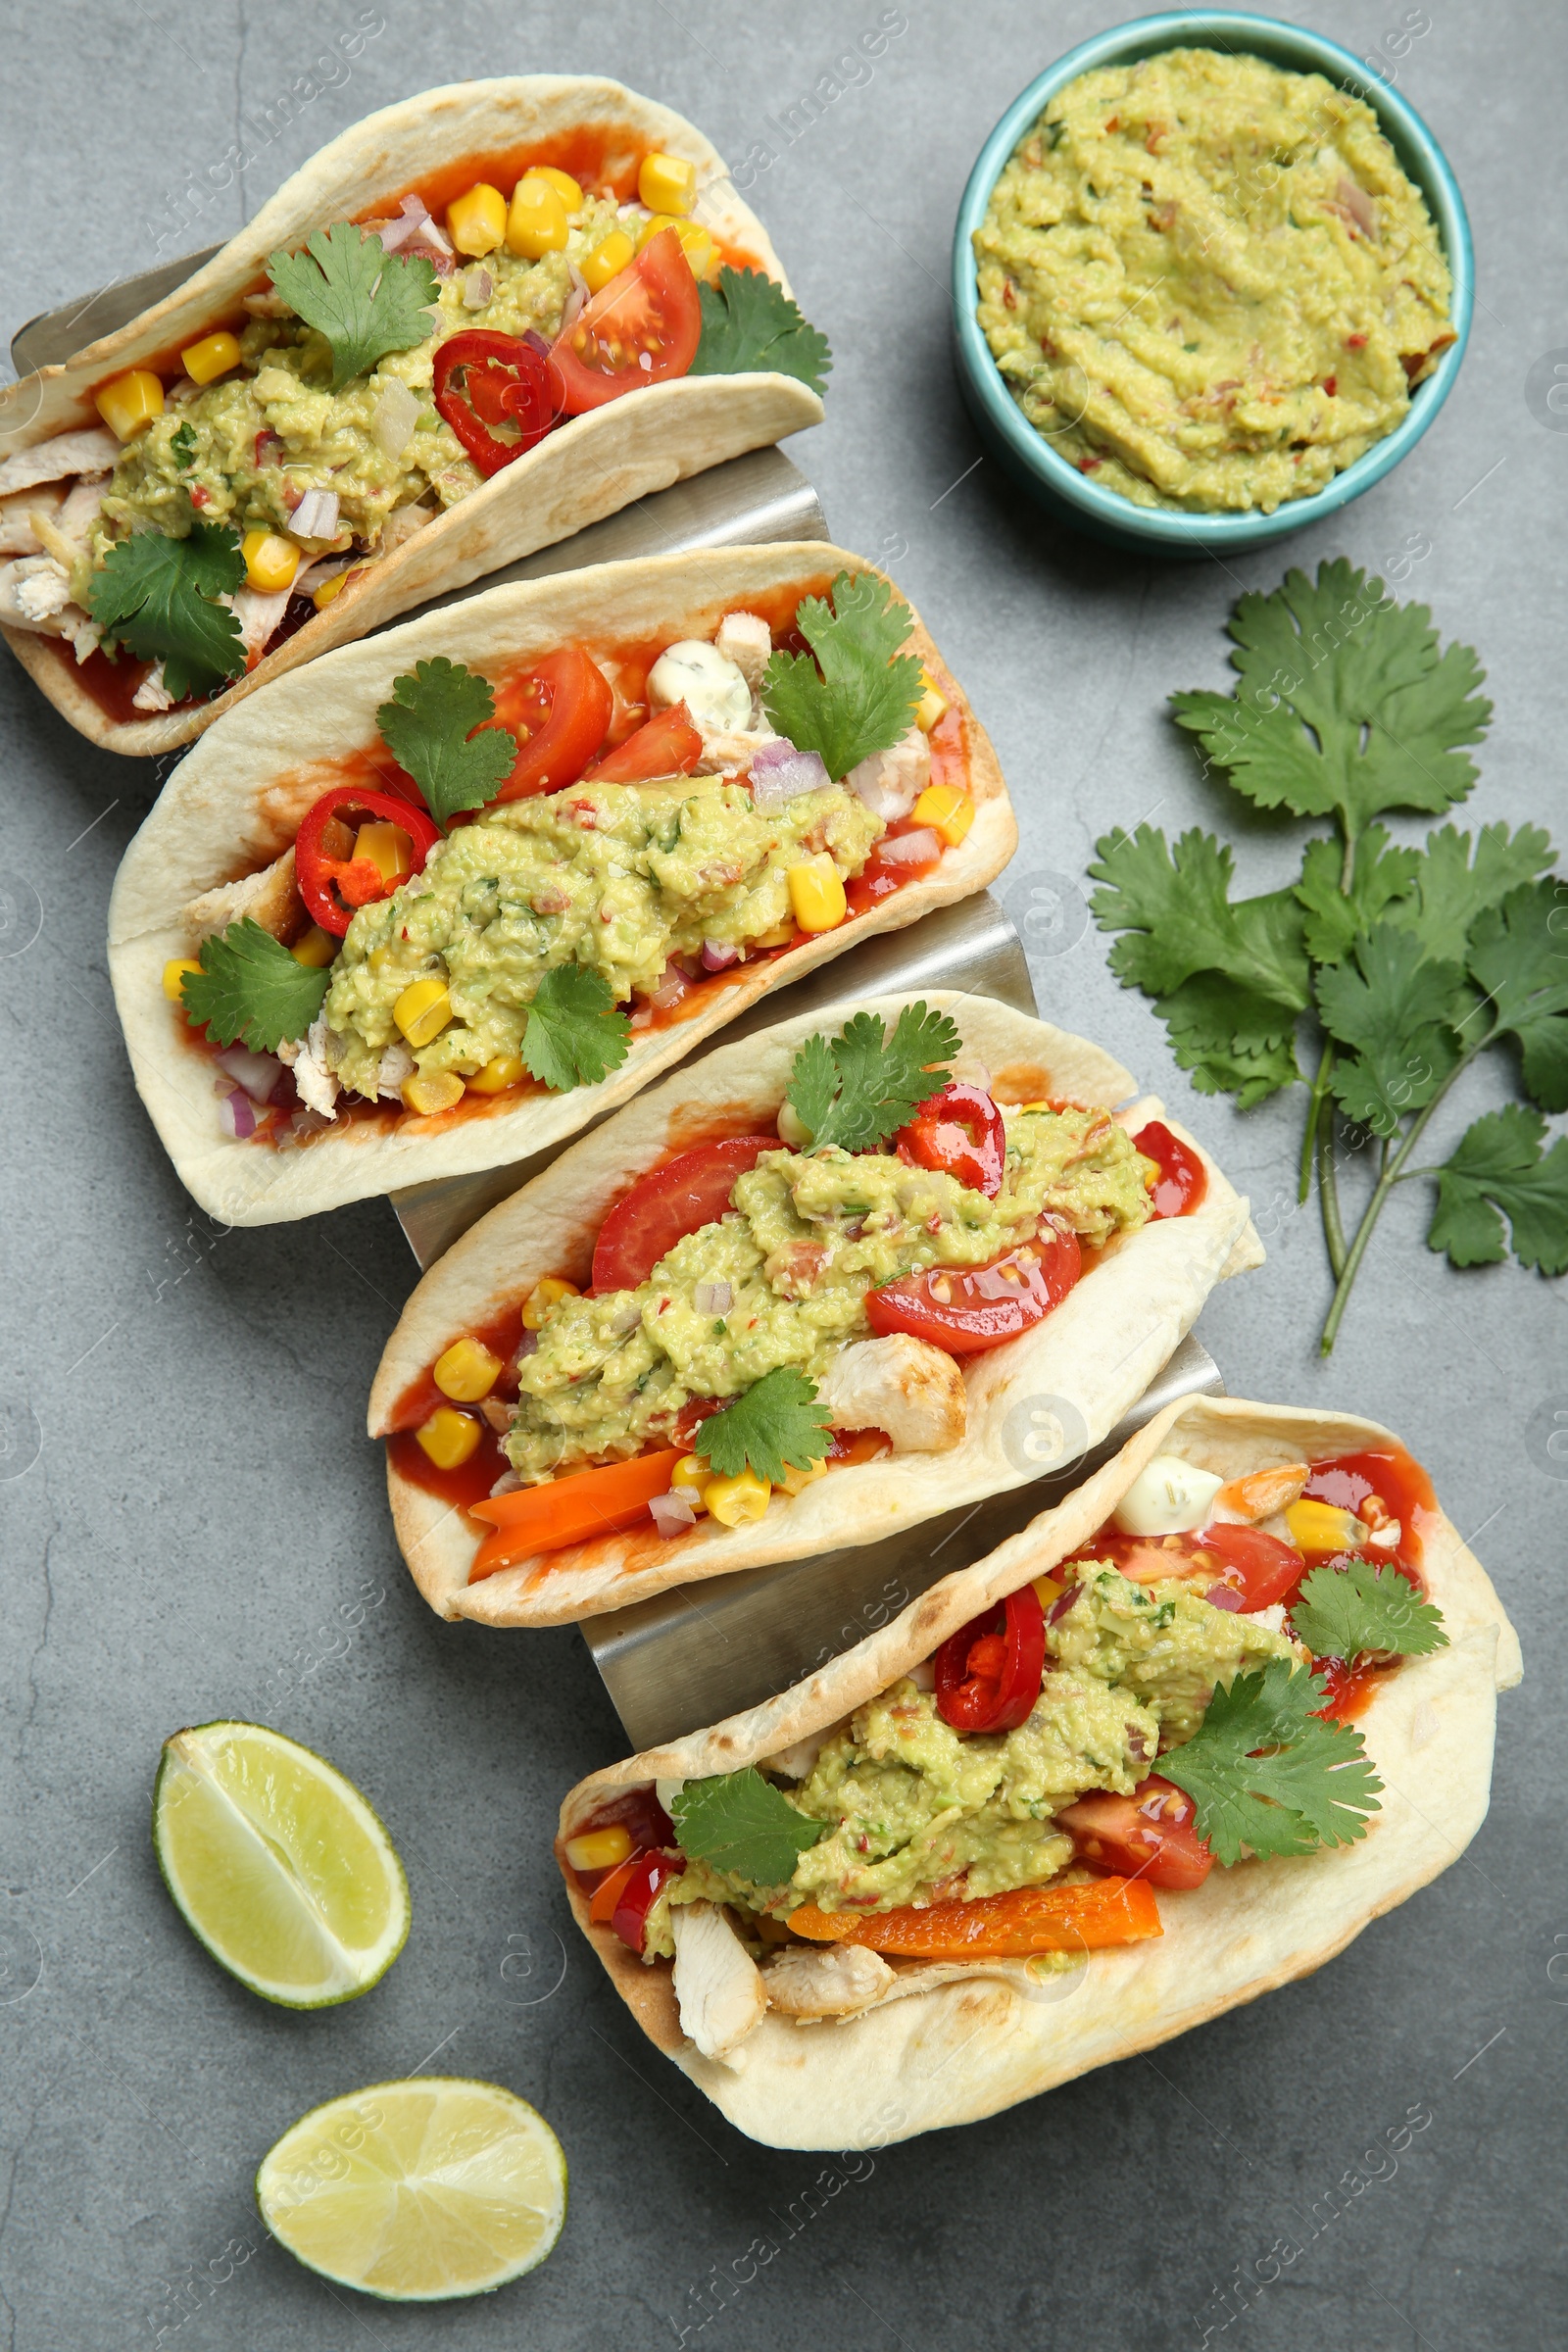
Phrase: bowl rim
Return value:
(1145, 36)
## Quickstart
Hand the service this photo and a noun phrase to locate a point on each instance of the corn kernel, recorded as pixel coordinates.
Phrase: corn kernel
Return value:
(271, 561)
(315, 950)
(214, 355)
(796, 1480)
(382, 959)
(1321, 1526)
(608, 258)
(536, 224)
(565, 187)
(430, 1091)
(689, 1477)
(334, 585)
(695, 241)
(476, 221)
(174, 971)
(666, 183)
(932, 705)
(947, 810)
(500, 1072)
(388, 848)
(816, 894)
(466, 1371)
(448, 1437)
(733, 1501)
(542, 1298)
(423, 1010)
(1049, 1591)
(599, 1849)
(129, 400)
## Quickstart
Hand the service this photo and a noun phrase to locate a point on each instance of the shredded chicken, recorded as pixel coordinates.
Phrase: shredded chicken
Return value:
(401, 526)
(396, 1068)
(152, 694)
(891, 782)
(314, 1081)
(18, 533)
(269, 897)
(91, 449)
(40, 587)
(835, 1980)
(913, 1391)
(730, 750)
(745, 639)
(717, 1984)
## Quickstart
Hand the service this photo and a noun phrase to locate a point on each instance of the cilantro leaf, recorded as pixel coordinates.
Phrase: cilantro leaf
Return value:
(1345, 704)
(250, 989)
(861, 693)
(1394, 1008)
(429, 727)
(183, 445)
(742, 1824)
(365, 300)
(771, 1428)
(1521, 961)
(1315, 1787)
(576, 1033)
(158, 596)
(1450, 892)
(1177, 906)
(1231, 1038)
(1346, 1612)
(1499, 1170)
(750, 323)
(880, 1079)
(1381, 879)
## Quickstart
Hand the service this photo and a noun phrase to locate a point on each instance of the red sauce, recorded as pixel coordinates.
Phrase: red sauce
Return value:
(112, 685)
(881, 875)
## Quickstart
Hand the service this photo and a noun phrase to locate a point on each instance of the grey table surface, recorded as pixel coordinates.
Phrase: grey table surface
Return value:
(191, 1510)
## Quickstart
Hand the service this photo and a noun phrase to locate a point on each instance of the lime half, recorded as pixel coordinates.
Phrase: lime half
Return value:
(417, 2191)
(278, 1864)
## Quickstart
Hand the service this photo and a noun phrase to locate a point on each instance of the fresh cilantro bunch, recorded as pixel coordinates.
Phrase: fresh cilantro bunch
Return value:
(158, 596)
(1265, 1771)
(429, 728)
(751, 323)
(1404, 964)
(860, 695)
(860, 1086)
(773, 1428)
(742, 1824)
(365, 300)
(250, 989)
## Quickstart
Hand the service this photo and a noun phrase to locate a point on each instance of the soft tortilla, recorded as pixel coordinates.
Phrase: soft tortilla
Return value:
(1093, 1356)
(589, 468)
(235, 802)
(954, 2044)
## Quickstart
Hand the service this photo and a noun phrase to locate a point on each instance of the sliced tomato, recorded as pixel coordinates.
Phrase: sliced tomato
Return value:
(968, 1309)
(665, 745)
(1026, 1919)
(559, 711)
(1268, 1569)
(569, 1510)
(643, 329)
(989, 1673)
(667, 1203)
(331, 880)
(1149, 1835)
(1182, 1179)
(960, 1133)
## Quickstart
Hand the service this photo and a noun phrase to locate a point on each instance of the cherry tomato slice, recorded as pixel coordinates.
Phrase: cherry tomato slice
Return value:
(559, 711)
(642, 328)
(1149, 1835)
(1182, 1179)
(665, 745)
(333, 887)
(638, 1896)
(670, 1203)
(1268, 1569)
(960, 1133)
(966, 1310)
(482, 380)
(989, 1673)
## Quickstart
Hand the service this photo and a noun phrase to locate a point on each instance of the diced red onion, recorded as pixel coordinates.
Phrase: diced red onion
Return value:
(719, 956)
(625, 1318)
(507, 1484)
(1359, 205)
(671, 1513)
(669, 988)
(1059, 1608)
(536, 342)
(525, 1346)
(780, 773)
(396, 234)
(236, 1115)
(315, 515)
(714, 1298)
(1225, 1597)
(577, 299)
(920, 848)
(256, 1073)
(477, 288)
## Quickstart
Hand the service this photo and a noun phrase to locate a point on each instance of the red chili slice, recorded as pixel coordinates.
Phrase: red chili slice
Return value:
(960, 1133)
(968, 1309)
(989, 1673)
(483, 379)
(1182, 1179)
(639, 1894)
(333, 887)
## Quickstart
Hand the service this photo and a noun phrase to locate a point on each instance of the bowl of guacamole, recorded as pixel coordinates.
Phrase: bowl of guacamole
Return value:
(1212, 280)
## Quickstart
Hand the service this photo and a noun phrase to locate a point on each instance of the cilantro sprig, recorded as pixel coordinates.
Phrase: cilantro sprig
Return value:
(158, 596)
(773, 1427)
(1266, 1772)
(742, 1824)
(250, 989)
(576, 1033)
(860, 1086)
(751, 323)
(1362, 1608)
(429, 728)
(365, 300)
(860, 695)
(1403, 964)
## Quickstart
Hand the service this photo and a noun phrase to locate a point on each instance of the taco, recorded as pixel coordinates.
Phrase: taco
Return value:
(812, 1290)
(397, 943)
(1169, 1747)
(410, 369)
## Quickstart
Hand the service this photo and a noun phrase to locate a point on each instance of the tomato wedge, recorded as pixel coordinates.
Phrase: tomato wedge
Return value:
(1149, 1835)
(667, 1203)
(997, 1926)
(665, 745)
(968, 1309)
(989, 1673)
(569, 1510)
(333, 886)
(1265, 1569)
(1182, 1179)
(960, 1133)
(642, 328)
(483, 379)
(559, 711)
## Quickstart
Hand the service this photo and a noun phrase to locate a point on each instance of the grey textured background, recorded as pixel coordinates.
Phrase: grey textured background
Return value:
(190, 1498)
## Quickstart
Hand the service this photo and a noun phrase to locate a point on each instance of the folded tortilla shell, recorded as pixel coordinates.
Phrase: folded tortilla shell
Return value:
(586, 470)
(1092, 1357)
(952, 2043)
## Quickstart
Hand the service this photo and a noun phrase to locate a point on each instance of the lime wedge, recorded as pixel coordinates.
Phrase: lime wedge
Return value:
(278, 1864)
(417, 2191)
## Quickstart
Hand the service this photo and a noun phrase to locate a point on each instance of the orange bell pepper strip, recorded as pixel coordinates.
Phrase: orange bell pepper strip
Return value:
(569, 1510)
(607, 1894)
(997, 1927)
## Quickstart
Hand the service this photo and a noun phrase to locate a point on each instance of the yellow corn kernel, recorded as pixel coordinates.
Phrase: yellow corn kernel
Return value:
(536, 224)
(129, 400)
(666, 183)
(816, 894)
(732, 1502)
(1321, 1526)
(1049, 1591)
(430, 1091)
(542, 1298)
(695, 241)
(795, 1481)
(931, 707)
(654, 223)
(947, 810)
(322, 597)
(599, 1849)
(466, 1370)
(476, 221)
(271, 561)
(608, 258)
(316, 949)
(565, 187)
(382, 959)
(174, 971)
(214, 355)
(388, 848)
(689, 1477)
(502, 1072)
(448, 1437)
(423, 1010)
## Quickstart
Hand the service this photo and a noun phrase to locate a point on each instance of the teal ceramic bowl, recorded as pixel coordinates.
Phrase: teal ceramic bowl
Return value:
(1059, 487)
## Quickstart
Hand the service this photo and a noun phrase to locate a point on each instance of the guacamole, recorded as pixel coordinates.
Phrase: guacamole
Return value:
(1207, 282)
(620, 877)
(806, 1237)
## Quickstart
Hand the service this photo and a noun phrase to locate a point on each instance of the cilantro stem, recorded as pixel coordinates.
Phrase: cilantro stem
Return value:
(1328, 1187)
(1314, 1114)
